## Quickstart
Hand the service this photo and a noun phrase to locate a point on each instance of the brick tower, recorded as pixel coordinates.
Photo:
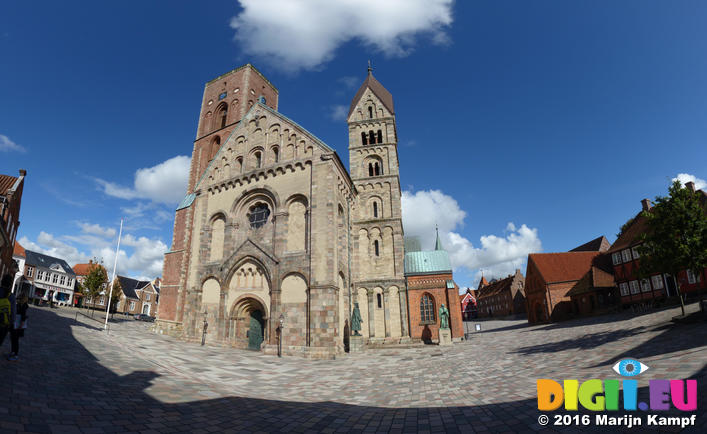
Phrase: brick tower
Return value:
(227, 98)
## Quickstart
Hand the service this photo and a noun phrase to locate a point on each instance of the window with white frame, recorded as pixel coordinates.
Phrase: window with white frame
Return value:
(147, 297)
(102, 301)
(616, 258)
(62, 280)
(634, 286)
(626, 255)
(657, 282)
(132, 305)
(30, 270)
(691, 277)
(40, 275)
(623, 288)
(645, 285)
(636, 255)
(55, 278)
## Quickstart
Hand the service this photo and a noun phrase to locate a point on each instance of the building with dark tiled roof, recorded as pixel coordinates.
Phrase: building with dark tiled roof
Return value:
(51, 278)
(502, 297)
(468, 304)
(138, 296)
(625, 257)
(11, 188)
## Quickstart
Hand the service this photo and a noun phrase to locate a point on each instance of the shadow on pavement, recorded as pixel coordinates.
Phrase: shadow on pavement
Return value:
(60, 386)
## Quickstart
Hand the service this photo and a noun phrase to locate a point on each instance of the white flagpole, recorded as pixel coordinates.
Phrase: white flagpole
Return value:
(115, 266)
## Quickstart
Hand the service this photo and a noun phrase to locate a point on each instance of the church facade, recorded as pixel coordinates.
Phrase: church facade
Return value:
(275, 238)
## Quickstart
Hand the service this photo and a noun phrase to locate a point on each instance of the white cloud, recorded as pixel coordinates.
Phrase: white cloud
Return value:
(306, 33)
(686, 177)
(164, 183)
(349, 81)
(96, 229)
(8, 145)
(139, 256)
(497, 255)
(339, 112)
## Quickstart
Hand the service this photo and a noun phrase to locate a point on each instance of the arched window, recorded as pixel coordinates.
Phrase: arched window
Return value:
(370, 169)
(427, 310)
(364, 138)
(371, 138)
(370, 112)
(377, 169)
(375, 209)
(380, 136)
(224, 115)
(215, 144)
(258, 215)
(239, 164)
(380, 301)
(258, 160)
(276, 154)
(376, 248)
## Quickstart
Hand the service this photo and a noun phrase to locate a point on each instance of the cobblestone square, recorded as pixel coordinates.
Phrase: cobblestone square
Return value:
(73, 377)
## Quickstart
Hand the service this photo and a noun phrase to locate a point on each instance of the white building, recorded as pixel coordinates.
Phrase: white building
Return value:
(49, 277)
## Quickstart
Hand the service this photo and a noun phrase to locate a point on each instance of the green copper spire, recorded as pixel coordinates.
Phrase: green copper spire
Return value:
(438, 243)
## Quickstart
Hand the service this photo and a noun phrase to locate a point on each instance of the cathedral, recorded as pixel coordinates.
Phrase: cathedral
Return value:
(275, 238)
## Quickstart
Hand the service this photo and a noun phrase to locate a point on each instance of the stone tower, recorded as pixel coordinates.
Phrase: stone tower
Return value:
(377, 228)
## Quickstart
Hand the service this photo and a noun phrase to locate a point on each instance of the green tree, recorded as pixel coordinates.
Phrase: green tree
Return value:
(676, 238)
(95, 281)
(116, 294)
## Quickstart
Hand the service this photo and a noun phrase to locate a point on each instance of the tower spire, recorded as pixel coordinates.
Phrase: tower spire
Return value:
(438, 243)
(370, 68)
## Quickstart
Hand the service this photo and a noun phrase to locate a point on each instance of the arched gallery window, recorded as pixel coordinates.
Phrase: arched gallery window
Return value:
(258, 160)
(371, 137)
(364, 138)
(380, 301)
(370, 169)
(376, 247)
(380, 136)
(370, 112)
(427, 309)
(375, 209)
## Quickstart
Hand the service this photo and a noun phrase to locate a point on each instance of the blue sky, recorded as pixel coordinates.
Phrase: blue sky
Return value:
(523, 126)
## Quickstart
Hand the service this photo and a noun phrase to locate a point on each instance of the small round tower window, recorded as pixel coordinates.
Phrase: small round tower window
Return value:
(258, 215)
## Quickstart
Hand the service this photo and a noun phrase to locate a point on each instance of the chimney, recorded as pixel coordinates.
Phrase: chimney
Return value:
(690, 186)
(646, 203)
(23, 172)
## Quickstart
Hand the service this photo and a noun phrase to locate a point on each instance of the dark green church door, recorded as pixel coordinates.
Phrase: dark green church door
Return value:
(255, 333)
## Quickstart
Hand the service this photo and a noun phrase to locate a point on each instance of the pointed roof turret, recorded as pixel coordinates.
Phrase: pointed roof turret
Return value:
(438, 243)
(378, 90)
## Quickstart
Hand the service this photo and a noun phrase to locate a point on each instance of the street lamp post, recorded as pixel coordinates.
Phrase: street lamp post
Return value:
(279, 337)
(203, 333)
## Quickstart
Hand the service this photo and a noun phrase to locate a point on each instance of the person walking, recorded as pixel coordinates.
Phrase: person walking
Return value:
(7, 307)
(20, 325)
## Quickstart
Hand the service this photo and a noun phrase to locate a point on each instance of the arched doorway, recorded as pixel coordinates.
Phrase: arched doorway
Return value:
(256, 330)
(248, 323)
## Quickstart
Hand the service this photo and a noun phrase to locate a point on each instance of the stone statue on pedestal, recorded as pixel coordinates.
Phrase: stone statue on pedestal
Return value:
(356, 320)
(443, 317)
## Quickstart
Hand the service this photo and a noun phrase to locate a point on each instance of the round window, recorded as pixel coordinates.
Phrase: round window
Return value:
(258, 215)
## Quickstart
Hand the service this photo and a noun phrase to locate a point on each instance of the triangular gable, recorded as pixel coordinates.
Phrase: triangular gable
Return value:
(241, 125)
(385, 97)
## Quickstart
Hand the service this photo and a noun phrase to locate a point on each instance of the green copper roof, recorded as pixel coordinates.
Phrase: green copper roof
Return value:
(187, 201)
(450, 284)
(430, 262)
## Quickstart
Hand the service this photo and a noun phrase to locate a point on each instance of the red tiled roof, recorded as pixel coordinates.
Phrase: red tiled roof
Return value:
(600, 244)
(630, 235)
(83, 269)
(6, 183)
(496, 287)
(378, 90)
(18, 250)
(483, 282)
(562, 267)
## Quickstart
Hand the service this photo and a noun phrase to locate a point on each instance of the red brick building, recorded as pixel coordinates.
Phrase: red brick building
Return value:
(625, 258)
(430, 284)
(468, 304)
(502, 297)
(11, 188)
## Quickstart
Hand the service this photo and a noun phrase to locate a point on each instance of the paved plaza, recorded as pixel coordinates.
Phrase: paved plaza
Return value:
(73, 377)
